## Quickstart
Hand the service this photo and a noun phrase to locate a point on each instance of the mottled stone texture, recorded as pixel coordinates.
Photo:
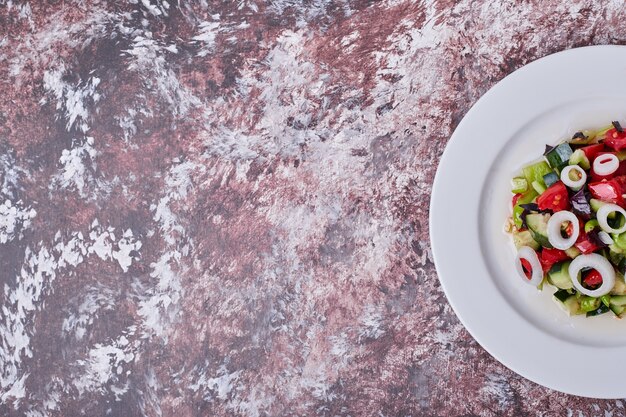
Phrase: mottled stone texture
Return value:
(221, 208)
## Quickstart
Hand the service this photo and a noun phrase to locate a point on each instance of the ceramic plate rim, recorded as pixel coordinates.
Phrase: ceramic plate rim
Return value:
(507, 343)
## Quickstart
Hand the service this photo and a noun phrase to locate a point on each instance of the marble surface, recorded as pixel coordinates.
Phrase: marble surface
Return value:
(220, 208)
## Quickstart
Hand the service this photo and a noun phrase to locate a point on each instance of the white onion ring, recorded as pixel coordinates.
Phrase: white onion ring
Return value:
(573, 184)
(600, 264)
(603, 215)
(554, 229)
(605, 164)
(526, 252)
(605, 238)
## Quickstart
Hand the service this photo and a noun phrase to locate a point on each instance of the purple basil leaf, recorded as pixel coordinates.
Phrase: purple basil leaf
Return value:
(594, 237)
(580, 204)
(548, 149)
(617, 127)
(530, 207)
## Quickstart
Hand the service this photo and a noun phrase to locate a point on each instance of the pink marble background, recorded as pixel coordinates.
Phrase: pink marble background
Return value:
(219, 208)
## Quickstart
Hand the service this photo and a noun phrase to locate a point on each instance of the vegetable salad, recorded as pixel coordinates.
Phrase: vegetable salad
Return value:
(568, 222)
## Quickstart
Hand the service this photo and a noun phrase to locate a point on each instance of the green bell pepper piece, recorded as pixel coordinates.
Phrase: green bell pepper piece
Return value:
(535, 172)
(519, 185)
(590, 225)
(525, 198)
(589, 304)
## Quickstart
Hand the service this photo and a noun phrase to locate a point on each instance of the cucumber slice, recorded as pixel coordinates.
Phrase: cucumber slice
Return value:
(538, 227)
(600, 310)
(596, 204)
(550, 178)
(559, 156)
(618, 304)
(524, 238)
(579, 158)
(559, 276)
(617, 310)
(571, 305)
(562, 295)
(572, 252)
(616, 257)
(619, 288)
(620, 240)
(539, 187)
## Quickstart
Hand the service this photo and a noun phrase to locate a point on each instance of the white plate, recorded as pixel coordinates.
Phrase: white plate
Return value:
(541, 103)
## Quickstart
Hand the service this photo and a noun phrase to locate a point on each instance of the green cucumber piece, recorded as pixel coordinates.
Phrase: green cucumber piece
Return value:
(538, 227)
(596, 204)
(579, 158)
(535, 172)
(600, 310)
(519, 185)
(618, 305)
(619, 288)
(559, 276)
(618, 310)
(550, 178)
(590, 225)
(618, 300)
(616, 257)
(572, 252)
(559, 156)
(562, 295)
(620, 240)
(539, 187)
(525, 238)
(571, 305)
(606, 300)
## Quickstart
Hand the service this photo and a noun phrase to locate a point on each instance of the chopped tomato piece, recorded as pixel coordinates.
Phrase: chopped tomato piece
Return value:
(621, 182)
(615, 140)
(609, 191)
(621, 170)
(585, 244)
(528, 270)
(515, 198)
(554, 198)
(592, 151)
(551, 256)
(592, 279)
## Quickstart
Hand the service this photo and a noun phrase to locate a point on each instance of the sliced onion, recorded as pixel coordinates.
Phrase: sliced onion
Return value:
(554, 229)
(605, 164)
(600, 264)
(526, 252)
(573, 184)
(603, 217)
(605, 238)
